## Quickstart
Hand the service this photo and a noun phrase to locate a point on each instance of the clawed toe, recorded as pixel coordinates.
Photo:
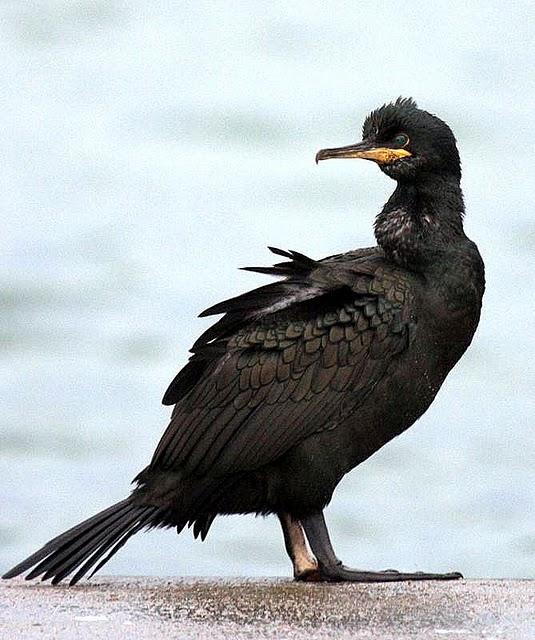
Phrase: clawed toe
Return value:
(331, 568)
(340, 573)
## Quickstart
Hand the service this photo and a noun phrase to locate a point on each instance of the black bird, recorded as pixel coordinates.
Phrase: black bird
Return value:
(303, 379)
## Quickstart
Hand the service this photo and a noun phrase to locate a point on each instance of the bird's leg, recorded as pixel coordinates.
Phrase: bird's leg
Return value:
(332, 570)
(304, 563)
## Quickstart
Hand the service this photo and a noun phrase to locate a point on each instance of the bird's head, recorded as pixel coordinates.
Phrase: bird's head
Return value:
(407, 143)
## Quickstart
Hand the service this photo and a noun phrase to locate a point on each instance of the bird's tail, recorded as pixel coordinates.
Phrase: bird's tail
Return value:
(84, 545)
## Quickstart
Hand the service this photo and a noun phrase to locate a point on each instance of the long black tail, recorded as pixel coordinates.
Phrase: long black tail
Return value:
(84, 545)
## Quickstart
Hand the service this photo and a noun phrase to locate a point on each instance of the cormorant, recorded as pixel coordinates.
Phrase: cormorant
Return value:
(303, 379)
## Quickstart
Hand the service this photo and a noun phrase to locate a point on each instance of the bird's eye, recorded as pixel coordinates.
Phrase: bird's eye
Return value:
(401, 140)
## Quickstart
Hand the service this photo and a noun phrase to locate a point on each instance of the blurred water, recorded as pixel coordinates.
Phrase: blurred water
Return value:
(149, 149)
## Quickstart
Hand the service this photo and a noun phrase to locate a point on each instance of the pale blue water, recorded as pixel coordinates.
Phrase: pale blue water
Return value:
(150, 149)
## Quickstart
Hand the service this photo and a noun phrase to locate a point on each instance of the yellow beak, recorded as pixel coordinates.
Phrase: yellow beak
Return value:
(366, 151)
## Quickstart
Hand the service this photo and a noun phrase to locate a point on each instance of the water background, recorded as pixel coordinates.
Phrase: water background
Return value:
(150, 149)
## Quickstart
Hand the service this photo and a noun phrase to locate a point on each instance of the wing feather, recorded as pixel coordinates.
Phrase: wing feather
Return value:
(285, 361)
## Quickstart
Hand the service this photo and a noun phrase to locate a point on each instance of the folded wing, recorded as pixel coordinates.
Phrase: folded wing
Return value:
(286, 360)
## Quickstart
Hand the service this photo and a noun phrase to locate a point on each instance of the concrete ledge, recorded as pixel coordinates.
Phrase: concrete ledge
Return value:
(204, 608)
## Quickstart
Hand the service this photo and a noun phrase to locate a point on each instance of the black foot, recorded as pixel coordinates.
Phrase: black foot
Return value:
(341, 573)
(332, 570)
(309, 575)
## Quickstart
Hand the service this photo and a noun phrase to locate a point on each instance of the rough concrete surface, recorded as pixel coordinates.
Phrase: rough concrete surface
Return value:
(202, 608)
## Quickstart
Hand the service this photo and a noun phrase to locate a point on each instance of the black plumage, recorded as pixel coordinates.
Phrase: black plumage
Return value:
(304, 378)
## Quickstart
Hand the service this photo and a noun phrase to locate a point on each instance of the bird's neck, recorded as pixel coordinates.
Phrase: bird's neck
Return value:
(420, 220)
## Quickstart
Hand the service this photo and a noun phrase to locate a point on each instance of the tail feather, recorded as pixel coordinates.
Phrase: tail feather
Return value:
(114, 550)
(102, 542)
(115, 543)
(86, 543)
(56, 543)
(79, 543)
